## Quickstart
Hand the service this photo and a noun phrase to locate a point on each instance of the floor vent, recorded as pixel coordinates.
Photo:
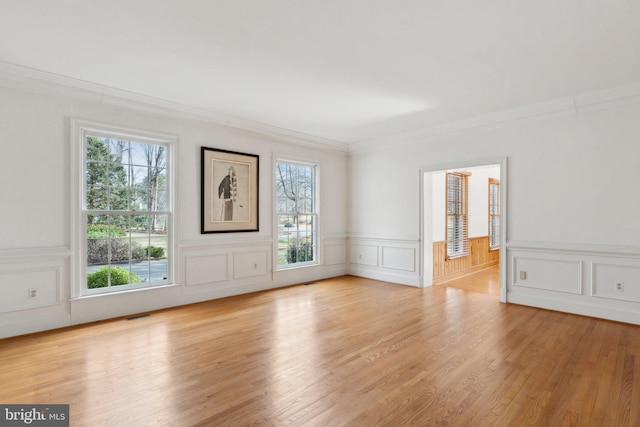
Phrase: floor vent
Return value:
(138, 316)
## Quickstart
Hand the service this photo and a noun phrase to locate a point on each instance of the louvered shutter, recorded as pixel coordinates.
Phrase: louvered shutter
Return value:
(457, 227)
(494, 213)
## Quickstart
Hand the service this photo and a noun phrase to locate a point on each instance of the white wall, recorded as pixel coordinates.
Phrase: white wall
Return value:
(36, 245)
(571, 179)
(566, 177)
(479, 199)
(568, 230)
(439, 206)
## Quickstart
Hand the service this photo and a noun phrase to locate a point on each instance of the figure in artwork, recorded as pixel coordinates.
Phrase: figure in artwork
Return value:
(228, 192)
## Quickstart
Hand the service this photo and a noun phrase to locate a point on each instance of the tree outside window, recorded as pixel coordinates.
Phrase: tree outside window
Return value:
(126, 212)
(296, 214)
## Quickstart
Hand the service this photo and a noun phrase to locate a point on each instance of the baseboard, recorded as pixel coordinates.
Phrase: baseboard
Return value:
(118, 304)
(38, 324)
(608, 313)
(400, 279)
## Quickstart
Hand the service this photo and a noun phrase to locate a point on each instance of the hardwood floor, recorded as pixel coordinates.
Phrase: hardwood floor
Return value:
(486, 281)
(344, 351)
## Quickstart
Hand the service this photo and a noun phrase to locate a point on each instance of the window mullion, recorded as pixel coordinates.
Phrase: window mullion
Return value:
(296, 223)
(128, 241)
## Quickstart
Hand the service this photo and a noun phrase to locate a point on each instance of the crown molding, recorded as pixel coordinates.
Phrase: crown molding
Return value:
(567, 106)
(608, 98)
(555, 108)
(44, 83)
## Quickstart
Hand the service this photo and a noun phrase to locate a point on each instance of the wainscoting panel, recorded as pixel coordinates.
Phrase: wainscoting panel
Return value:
(250, 264)
(480, 257)
(391, 260)
(364, 254)
(556, 275)
(399, 258)
(35, 284)
(24, 289)
(201, 269)
(335, 253)
(580, 279)
(34, 289)
(615, 281)
(225, 265)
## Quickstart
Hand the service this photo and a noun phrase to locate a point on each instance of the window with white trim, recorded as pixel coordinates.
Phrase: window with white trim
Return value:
(125, 211)
(494, 213)
(296, 214)
(457, 214)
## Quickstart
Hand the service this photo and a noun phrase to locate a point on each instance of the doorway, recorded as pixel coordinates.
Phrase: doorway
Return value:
(485, 228)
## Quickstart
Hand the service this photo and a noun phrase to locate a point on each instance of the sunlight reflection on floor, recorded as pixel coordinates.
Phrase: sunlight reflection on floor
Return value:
(485, 281)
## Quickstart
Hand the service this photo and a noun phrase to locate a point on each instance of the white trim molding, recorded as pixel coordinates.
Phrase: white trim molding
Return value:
(567, 106)
(44, 83)
(394, 260)
(35, 295)
(592, 280)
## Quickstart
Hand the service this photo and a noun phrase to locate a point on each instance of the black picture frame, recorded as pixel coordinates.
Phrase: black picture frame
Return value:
(229, 191)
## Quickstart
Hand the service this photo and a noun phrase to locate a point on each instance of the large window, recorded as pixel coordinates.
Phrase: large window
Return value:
(296, 214)
(125, 212)
(457, 229)
(494, 213)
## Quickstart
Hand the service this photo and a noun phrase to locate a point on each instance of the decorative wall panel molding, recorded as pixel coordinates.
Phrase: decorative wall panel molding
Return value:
(34, 289)
(621, 251)
(33, 278)
(392, 260)
(556, 275)
(250, 264)
(615, 281)
(27, 288)
(592, 280)
(399, 258)
(201, 269)
(335, 253)
(364, 254)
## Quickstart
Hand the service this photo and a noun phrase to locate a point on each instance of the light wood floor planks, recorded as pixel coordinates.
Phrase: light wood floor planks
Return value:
(344, 351)
(486, 281)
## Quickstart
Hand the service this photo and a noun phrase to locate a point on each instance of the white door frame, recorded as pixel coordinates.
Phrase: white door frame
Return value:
(426, 217)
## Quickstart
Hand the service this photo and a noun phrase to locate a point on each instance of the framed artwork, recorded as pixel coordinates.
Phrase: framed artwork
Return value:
(229, 191)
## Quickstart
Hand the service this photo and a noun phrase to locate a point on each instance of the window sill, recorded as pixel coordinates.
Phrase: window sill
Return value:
(125, 291)
(297, 266)
(456, 256)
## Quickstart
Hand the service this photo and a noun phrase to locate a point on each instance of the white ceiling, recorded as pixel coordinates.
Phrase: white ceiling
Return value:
(343, 70)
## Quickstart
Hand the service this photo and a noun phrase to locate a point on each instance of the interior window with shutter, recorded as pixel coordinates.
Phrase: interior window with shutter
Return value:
(457, 213)
(494, 213)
